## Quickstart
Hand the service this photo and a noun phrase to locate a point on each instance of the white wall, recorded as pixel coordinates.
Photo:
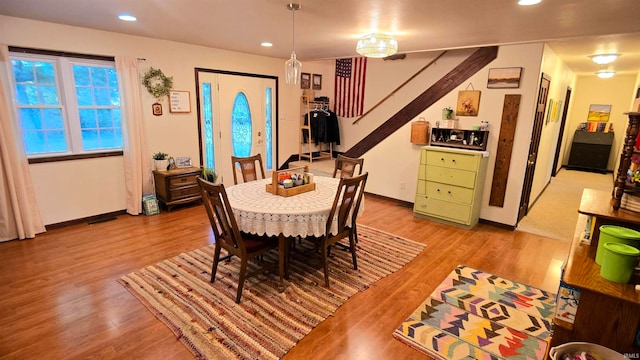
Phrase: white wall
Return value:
(76, 189)
(561, 78)
(392, 164)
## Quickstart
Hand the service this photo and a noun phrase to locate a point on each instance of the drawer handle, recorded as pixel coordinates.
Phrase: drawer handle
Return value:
(438, 190)
(449, 192)
(441, 159)
(453, 161)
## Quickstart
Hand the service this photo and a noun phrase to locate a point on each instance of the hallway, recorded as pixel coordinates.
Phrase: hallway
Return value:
(555, 212)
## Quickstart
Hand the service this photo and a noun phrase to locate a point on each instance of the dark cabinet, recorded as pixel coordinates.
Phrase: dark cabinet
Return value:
(179, 186)
(590, 150)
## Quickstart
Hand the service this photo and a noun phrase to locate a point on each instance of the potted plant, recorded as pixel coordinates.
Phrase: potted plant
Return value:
(447, 113)
(209, 174)
(161, 161)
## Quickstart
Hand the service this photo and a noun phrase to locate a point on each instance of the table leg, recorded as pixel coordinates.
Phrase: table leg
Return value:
(281, 258)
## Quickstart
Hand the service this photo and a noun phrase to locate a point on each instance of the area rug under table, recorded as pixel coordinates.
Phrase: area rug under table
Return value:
(476, 315)
(267, 323)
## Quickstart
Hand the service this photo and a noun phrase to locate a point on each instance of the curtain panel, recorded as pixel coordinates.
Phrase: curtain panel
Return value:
(19, 214)
(137, 160)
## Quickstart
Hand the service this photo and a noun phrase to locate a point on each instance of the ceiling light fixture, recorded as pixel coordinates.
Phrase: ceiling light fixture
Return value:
(292, 67)
(377, 45)
(603, 59)
(266, 44)
(528, 2)
(605, 74)
(127, 17)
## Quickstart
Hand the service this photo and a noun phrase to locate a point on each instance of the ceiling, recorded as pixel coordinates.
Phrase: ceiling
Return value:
(324, 29)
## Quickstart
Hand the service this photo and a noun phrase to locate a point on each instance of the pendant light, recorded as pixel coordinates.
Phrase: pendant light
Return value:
(292, 67)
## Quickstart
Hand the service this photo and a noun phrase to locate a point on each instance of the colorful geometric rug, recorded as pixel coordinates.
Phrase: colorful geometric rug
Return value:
(267, 323)
(476, 315)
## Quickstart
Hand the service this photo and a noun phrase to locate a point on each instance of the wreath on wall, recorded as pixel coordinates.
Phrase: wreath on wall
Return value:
(157, 83)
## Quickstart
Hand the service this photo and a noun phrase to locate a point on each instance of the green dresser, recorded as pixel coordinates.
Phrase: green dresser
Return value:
(450, 185)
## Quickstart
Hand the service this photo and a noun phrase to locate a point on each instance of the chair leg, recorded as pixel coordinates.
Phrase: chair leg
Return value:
(325, 264)
(243, 274)
(355, 231)
(216, 260)
(352, 243)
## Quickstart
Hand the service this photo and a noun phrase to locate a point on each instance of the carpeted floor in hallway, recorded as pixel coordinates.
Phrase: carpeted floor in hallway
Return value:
(555, 213)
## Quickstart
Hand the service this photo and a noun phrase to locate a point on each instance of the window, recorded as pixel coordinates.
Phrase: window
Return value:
(66, 105)
(241, 128)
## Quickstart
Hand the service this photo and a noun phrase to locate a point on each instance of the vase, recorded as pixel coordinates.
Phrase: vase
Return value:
(447, 114)
(161, 165)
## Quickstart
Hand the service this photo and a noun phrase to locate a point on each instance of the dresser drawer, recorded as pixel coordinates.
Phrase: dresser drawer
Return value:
(451, 176)
(447, 192)
(183, 192)
(183, 180)
(458, 213)
(453, 160)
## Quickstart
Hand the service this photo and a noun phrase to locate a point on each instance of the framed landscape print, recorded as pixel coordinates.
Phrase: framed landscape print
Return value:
(598, 112)
(504, 78)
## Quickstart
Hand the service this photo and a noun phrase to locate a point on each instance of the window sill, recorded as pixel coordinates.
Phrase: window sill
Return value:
(49, 159)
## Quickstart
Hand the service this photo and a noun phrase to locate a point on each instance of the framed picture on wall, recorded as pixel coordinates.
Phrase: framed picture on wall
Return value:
(504, 78)
(599, 112)
(305, 81)
(468, 103)
(317, 82)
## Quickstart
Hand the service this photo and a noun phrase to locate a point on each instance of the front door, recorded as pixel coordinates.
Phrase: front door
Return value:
(538, 122)
(237, 118)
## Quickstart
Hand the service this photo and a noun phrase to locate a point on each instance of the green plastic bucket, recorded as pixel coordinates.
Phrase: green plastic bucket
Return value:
(618, 262)
(616, 234)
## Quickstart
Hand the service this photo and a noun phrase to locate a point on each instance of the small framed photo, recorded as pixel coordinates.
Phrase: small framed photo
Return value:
(305, 81)
(157, 109)
(504, 78)
(317, 82)
(183, 162)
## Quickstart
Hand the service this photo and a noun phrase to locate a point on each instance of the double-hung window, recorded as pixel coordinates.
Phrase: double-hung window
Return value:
(66, 105)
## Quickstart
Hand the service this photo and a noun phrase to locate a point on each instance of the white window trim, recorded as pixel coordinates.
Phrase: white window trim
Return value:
(67, 99)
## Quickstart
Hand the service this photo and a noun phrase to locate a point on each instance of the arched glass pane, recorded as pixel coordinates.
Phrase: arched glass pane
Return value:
(208, 126)
(268, 129)
(241, 126)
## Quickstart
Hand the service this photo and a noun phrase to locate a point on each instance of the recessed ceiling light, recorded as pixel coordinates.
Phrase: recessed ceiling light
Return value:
(127, 17)
(604, 59)
(528, 2)
(266, 44)
(605, 74)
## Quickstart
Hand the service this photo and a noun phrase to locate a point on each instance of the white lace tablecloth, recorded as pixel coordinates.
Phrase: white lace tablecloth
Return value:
(260, 212)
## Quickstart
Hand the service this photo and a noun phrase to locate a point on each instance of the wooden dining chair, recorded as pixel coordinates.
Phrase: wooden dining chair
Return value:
(343, 212)
(347, 166)
(228, 236)
(248, 167)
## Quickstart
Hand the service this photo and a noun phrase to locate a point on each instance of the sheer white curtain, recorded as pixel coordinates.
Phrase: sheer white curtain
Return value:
(137, 160)
(19, 214)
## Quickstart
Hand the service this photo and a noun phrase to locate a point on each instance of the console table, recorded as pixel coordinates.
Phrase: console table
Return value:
(608, 313)
(179, 186)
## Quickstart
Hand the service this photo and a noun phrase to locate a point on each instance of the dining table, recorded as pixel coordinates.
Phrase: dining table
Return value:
(258, 211)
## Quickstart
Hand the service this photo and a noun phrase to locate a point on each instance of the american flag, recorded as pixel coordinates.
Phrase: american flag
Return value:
(349, 86)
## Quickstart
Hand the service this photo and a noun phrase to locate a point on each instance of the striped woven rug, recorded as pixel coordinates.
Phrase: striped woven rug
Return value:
(267, 323)
(476, 315)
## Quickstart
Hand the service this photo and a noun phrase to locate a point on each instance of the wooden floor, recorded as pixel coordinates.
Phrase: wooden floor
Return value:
(60, 299)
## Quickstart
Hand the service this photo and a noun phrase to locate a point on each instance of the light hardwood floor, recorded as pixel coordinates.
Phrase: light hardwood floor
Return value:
(60, 299)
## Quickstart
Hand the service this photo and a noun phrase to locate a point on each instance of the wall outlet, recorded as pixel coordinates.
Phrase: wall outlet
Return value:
(403, 185)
